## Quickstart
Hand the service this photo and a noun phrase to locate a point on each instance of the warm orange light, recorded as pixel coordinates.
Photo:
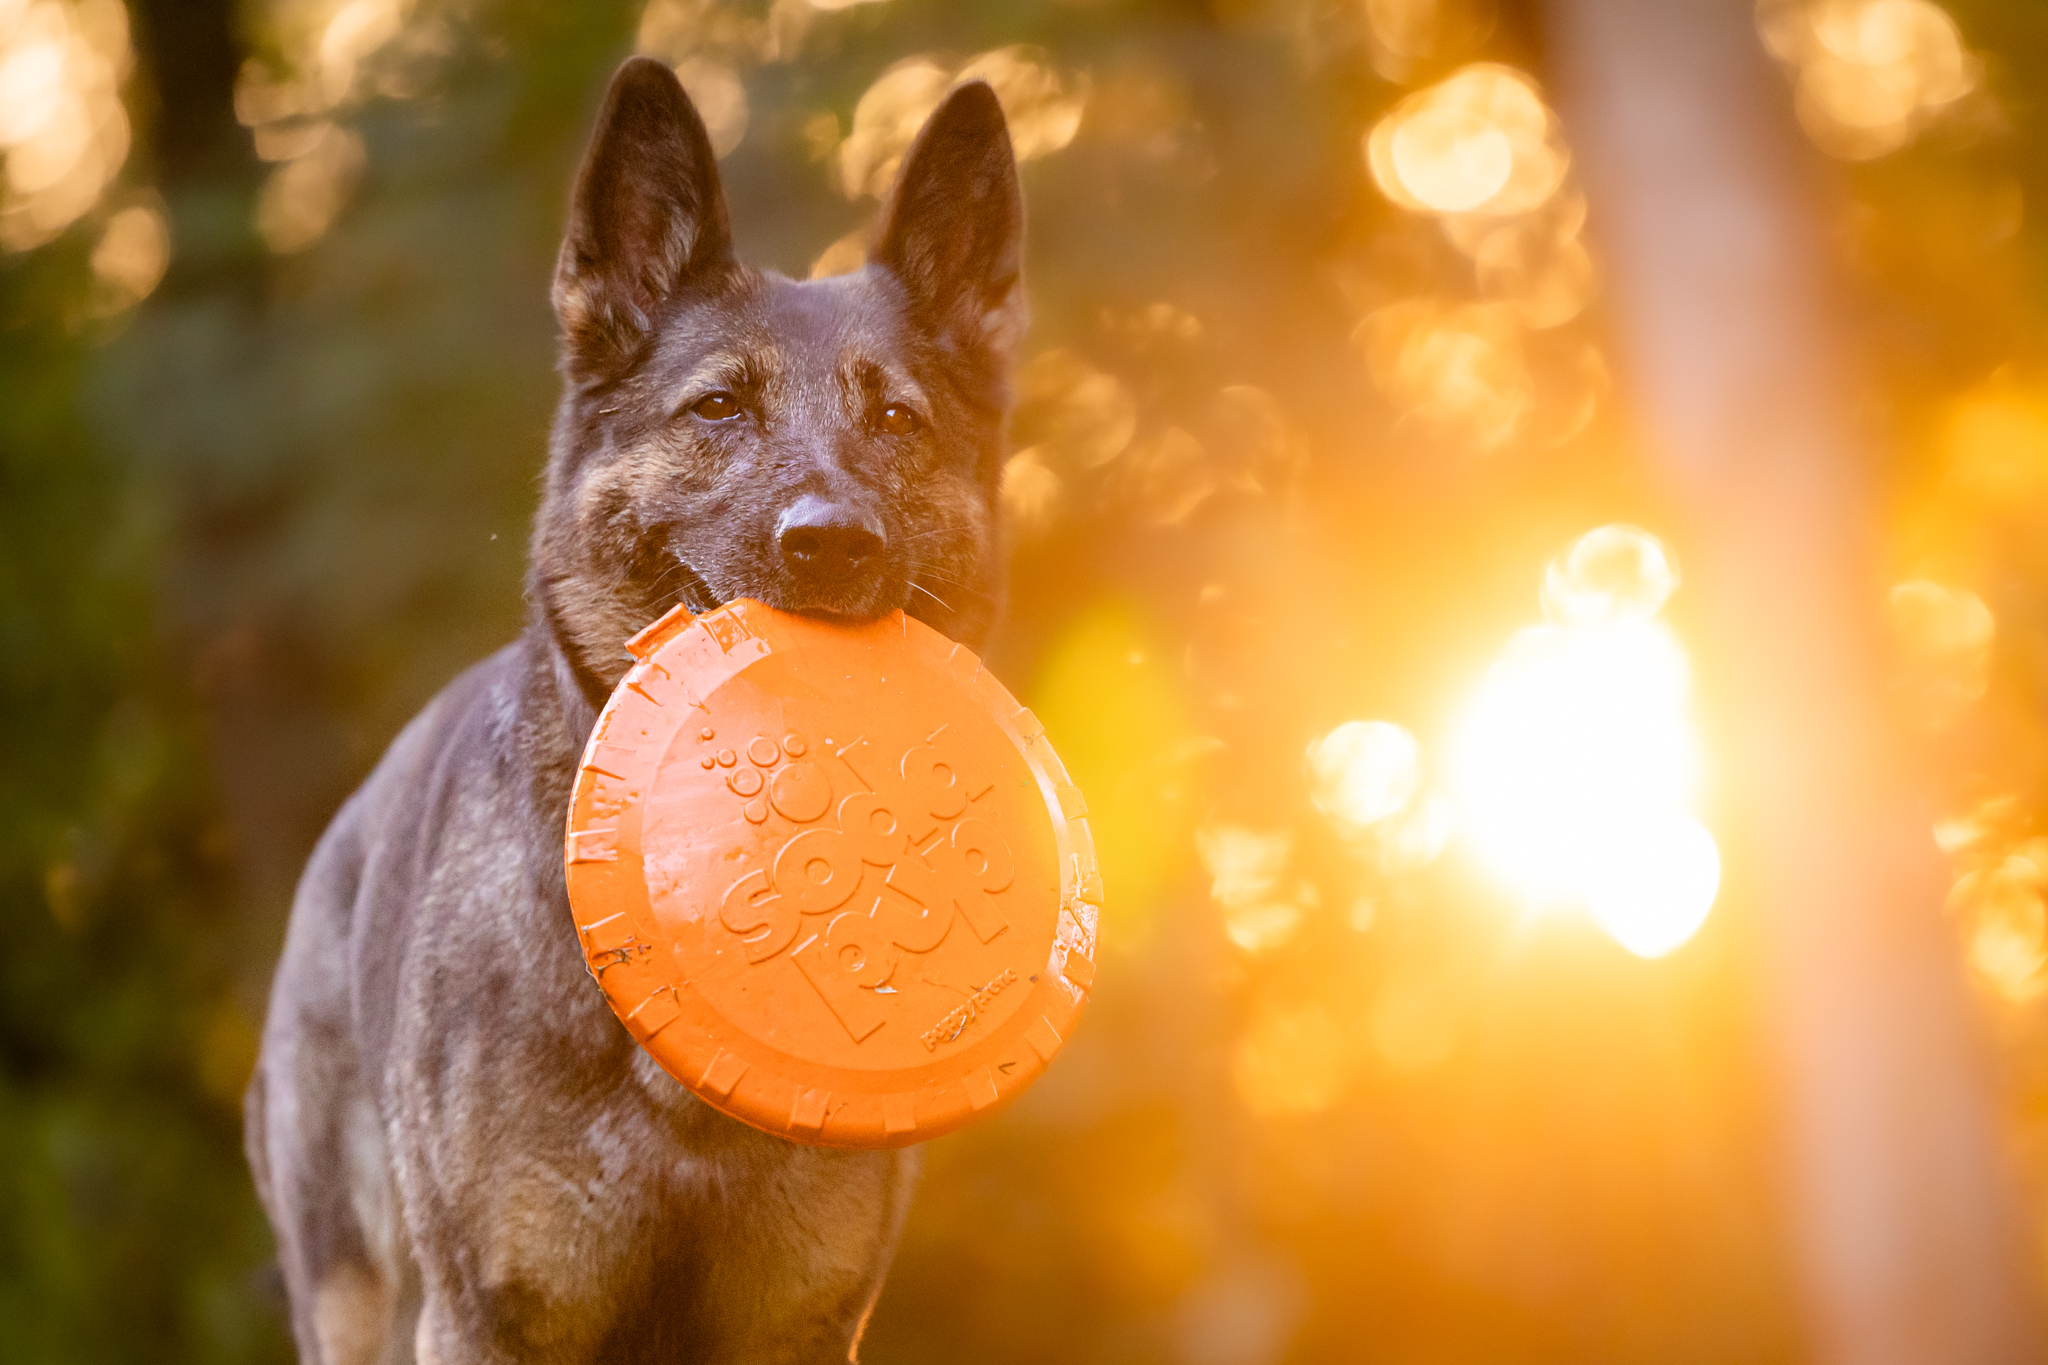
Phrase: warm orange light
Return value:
(1263, 905)
(1610, 574)
(1871, 73)
(1458, 369)
(1654, 885)
(1291, 1060)
(1451, 160)
(2005, 923)
(131, 257)
(1481, 141)
(1945, 635)
(1042, 105)
(720, 97)
(63, 131)
(1413, 1025)
(1575, 764)
(1030, 492)
(305, 195)
(1364, 771)
(1365, 777)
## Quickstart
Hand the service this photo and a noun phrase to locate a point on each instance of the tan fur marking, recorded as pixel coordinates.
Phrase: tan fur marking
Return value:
(351, 1316)
(423, 1352)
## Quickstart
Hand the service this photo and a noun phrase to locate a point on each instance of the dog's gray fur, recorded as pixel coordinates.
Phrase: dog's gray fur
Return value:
(464, 1155)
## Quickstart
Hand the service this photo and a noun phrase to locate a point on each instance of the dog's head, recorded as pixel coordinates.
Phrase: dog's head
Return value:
(829, 446)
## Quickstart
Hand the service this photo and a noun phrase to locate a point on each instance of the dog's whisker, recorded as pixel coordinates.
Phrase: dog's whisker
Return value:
(929, 593)
(932, 572)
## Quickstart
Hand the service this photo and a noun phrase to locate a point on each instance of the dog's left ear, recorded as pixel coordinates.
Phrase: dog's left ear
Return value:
(954, 229)
(646, 221)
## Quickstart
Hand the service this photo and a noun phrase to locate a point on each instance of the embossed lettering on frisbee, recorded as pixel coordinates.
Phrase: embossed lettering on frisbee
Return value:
(833, 878)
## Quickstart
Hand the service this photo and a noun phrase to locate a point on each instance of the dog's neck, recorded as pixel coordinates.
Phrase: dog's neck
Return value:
(574, 689)
(559, 702)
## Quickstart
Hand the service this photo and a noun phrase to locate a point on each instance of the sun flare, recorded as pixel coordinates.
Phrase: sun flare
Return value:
(1575, 764)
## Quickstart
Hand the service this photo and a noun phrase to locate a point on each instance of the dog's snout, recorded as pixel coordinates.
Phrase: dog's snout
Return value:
(827, 541)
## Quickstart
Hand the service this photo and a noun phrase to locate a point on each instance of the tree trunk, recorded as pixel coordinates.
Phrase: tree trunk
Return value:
(1705, 204)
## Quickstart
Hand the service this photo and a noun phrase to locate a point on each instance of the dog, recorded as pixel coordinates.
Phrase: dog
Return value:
(464, 1156)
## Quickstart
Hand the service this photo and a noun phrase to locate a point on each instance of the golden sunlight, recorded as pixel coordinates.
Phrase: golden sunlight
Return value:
(1365, 777)
(1030, 492)
(1994, 446)
(1043, 107)
(63, 131)
(720, 97)
(1945, 637)
(1263, 907)
(1291, 1060)
(1611, 573)
(1363, 772)
(303, 196)
(1575, 764)
(1481, 141)
(1870, 73)
(324, 58)
(1404, 33)
(2005, 924)
(846, 255)
(129, 262)
(1459, 370)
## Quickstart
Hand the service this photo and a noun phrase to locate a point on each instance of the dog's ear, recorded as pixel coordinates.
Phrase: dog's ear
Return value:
(954, 229)
(646, 221)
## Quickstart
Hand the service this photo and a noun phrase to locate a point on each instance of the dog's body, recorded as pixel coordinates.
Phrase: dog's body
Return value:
(464, 1155)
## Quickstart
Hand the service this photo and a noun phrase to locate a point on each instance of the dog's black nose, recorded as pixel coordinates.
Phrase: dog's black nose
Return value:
(826, 541)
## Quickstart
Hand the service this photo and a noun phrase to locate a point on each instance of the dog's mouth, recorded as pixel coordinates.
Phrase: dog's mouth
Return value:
(695, 593)
(698, 597)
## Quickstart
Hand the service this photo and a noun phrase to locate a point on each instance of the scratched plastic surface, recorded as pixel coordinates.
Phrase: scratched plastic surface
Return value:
(833, 878)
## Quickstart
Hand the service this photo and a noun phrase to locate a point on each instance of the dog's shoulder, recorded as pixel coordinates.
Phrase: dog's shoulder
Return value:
(456, 779)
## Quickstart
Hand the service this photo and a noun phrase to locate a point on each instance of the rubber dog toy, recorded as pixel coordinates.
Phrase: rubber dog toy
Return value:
(832, 877)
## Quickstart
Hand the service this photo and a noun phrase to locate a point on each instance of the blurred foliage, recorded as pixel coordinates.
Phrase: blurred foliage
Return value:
(1302, 420)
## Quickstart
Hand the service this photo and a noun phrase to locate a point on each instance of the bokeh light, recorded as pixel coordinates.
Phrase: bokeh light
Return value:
(1482, 156)
(131, 256)
(1994, 448)
(1945, 637)
(1030, 492)
(1404, 34)
(1363, 772)
(1253, 883)
(1538, 267)
(2004, 923)
(1611, 574)
(1042, 104)
(1575, 763)
(303, 196)
(1458, 370)
(327, 59)
(1870, 74)
(1481, 141)
(721, 99)
(1653, 884)
(63, 131)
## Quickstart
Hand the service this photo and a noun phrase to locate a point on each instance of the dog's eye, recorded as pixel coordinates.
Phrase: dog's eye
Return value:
(717, 407)
(900, 419)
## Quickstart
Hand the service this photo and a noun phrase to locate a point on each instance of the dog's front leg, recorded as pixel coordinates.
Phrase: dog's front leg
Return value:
(775, 1257)
(803, 1236)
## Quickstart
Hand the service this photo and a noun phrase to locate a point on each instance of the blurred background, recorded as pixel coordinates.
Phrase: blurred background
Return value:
(1442, 1016)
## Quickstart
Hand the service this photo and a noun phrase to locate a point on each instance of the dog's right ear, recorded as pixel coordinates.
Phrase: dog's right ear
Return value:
(646, 222)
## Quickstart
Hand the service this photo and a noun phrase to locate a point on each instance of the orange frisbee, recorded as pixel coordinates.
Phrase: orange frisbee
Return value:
(833, 878)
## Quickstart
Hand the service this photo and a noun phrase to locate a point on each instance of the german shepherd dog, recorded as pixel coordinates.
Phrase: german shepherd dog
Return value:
(464, 1155)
